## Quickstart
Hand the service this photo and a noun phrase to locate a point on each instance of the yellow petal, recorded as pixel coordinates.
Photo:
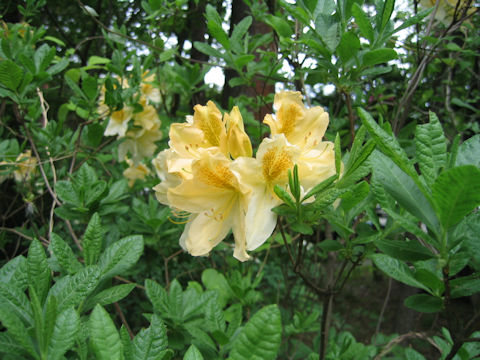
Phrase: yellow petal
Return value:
(238, 141)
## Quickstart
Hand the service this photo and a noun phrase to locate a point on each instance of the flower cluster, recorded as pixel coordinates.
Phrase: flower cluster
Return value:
(25, 167)
(209, 171)
(139, 130)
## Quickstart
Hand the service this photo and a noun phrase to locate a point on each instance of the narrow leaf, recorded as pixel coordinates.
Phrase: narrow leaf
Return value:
(64, 333)
(110, 295)
(64, 254)
(424, 303)
(121, 255)
(104, 337)
(92, 240)
(363, 22)
(38, 270)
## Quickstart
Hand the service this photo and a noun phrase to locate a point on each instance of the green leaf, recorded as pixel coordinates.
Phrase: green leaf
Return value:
(121, 255)
(464, 286)
(387, 10)
(64, 333)
(363, 22)
(94, 191)
(431, 148)
(388, 144)
(67, 193)
(175, 300)
(404, 250)
(260, 338)
(38, 270)
(216, 281)
(214, 319)
(43, 57)
(126, 344)
(456, 192)
(378, 56)
(240, 29)
(104, 337)
(214, 24)
(397, 270)
(11, 74)
(14, 300)
(151, 343)
(73, 290)
(110, 295)
(8, 345)
(17, 331)
(280, 25)
(320, 187)
(14, 273)
(403, 189)
(93, 240)
(97, 60)
(414, 19)
(207, 49)
(424, 303)
(328, 29)
(348, 46)
(157, 296)
(193, 354)
(284, 196)
(469, 152)
(64, 254)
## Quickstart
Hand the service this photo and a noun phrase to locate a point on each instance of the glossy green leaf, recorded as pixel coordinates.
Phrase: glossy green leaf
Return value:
(378, 56)
(260, 338)
(348, 46)
(320, 187)
(387, 10)
(280, 25)
(207, 49)
(404, 250)
(17, 331)
(104, 337)
(464, 286)
(64, 254)
(397, 270)
(216, 281)
(214, 24)
(13, 299)
(157, 295)
(72, 290)
(64, 333)
(456, 192)
(193, 354)
(10, 74)
(38, 270)
(110, 295)
(14, 273)
(284, 196)
(363, 22)
(240, 29)
(424, 303)
(93, 240)
(121, 255)
(151, 343)
(403, 189)
(67, 193)
(431, 148)
(469, 152)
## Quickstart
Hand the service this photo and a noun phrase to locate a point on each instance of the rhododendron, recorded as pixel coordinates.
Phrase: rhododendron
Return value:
(209, 171)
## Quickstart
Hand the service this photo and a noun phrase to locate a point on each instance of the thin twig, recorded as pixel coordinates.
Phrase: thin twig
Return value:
(124, 320)
(382, 312)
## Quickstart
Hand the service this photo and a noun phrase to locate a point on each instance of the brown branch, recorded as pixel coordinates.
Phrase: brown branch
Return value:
(124, 320)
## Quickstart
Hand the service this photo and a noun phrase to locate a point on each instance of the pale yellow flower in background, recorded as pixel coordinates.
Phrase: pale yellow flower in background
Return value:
(275, 156)
(238, 142)
(204, 130)
(147, 118)
(217, 202)
(135, 172)
(139, 144)
(148, 90)
(118, 122)
(25, 166)
(301, 126)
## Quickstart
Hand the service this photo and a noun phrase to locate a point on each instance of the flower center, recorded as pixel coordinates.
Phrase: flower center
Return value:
(276, 162)
(220, 177)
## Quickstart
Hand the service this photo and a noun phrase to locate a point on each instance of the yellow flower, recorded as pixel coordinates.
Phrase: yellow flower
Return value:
(238, 141)
(118, 122)
(301, 126)
(204, 130)
(139, 144)
(275, 156)
(217, 202)
(147, 118)
(26, 165)
(148, 90)
(135, 172)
